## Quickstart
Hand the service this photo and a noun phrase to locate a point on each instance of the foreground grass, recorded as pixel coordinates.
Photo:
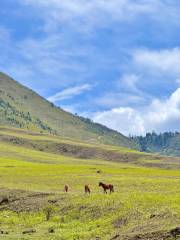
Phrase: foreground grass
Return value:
(145, 199)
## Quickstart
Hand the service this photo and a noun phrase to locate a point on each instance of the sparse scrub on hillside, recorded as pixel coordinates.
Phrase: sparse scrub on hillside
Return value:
(9, 114)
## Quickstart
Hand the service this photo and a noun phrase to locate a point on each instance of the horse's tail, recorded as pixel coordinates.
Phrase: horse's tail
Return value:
(112, 188)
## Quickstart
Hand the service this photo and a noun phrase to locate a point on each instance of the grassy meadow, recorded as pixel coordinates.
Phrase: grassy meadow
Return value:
(146, 199)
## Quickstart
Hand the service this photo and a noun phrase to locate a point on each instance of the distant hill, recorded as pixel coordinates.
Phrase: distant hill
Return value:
(23, 108)
(167, 143)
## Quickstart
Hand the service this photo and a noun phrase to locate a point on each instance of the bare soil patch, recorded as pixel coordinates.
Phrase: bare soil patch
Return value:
(159, 235)
(23, 201)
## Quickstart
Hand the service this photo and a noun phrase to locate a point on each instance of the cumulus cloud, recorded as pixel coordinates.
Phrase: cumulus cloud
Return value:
(159, 116)
(124, 119)
(70, 93)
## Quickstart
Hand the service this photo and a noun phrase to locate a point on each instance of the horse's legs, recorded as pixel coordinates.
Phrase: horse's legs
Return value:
(111, 190)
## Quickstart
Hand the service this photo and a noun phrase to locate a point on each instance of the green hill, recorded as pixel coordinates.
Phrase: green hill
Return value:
(23, 108)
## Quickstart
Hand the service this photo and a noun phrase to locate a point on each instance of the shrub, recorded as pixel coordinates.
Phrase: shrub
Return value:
(48, 211)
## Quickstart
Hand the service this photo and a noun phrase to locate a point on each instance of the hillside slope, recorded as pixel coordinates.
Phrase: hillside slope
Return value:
(23, 108)
(68, 147)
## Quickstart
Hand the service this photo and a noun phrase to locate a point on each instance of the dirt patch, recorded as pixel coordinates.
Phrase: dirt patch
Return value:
(23, 201)
(29, 231)
(160, 235)
(118, 223)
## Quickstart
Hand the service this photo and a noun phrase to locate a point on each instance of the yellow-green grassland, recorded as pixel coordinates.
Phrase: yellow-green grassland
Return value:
(33, 205)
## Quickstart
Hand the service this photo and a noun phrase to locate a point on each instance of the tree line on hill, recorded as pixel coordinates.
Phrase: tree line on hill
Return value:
(153, 142)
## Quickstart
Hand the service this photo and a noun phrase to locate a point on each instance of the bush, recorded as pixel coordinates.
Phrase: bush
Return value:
(48, 211)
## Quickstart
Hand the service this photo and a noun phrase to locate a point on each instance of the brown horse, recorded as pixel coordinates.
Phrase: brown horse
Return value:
(87, 189)
(106, 187)
(66, 188)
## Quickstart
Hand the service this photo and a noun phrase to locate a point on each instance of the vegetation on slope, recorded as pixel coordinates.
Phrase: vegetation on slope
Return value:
(23, 108)
(10, 115)
(145, 205)
(167, 143)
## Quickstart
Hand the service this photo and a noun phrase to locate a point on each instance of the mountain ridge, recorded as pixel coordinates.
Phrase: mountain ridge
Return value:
(23, 108)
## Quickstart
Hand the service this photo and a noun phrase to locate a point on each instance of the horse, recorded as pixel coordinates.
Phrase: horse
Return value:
(106, 187)
(66, 188)
(87, 189)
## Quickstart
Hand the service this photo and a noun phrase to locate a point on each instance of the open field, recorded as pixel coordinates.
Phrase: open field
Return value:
(145, 205)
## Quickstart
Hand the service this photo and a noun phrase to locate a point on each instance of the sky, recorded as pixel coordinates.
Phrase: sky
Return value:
(114, 61)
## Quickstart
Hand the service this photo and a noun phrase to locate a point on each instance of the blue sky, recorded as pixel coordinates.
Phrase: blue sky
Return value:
(114, 61)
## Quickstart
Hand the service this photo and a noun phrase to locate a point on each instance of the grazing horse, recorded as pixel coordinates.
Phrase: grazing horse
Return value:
(87, 189)
(106, 187)
(66, 188)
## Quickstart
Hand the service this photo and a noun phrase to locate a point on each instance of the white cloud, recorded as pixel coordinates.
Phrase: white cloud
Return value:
(4, 34)
(165, 61)
(159, 116)
(115, 99)
(124, 119)
(50, 55)
(99, 13)
(94, 13)
(5, 41)
(126, 92)
(129, 81)
(70, 92)
(83, 7)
